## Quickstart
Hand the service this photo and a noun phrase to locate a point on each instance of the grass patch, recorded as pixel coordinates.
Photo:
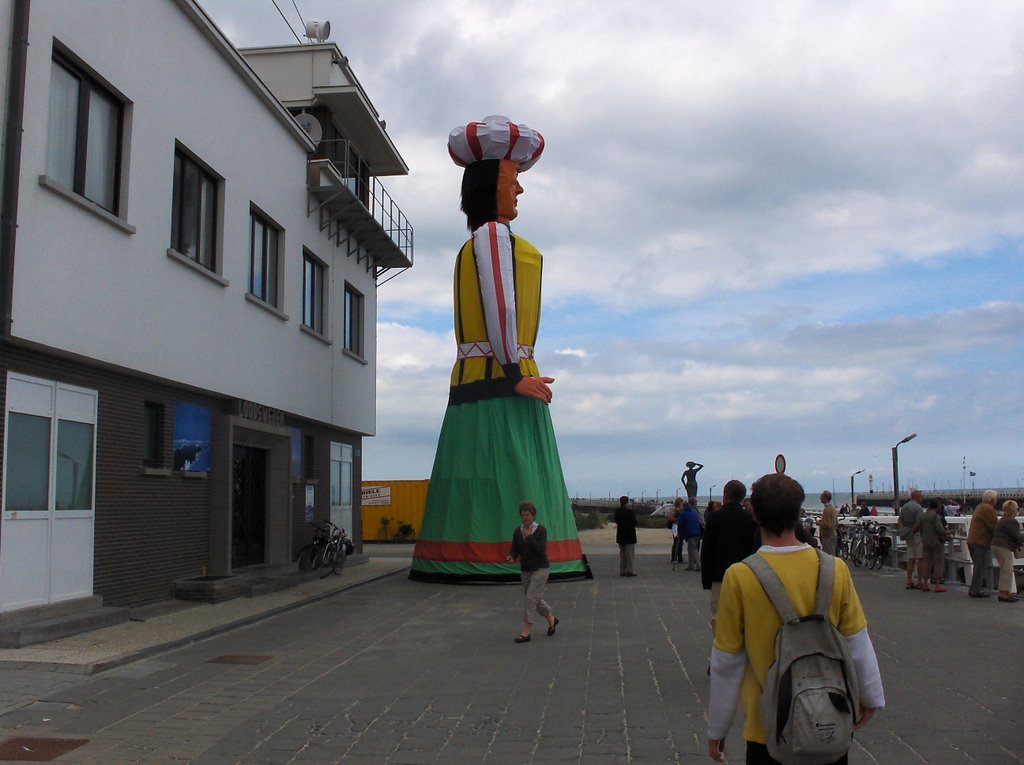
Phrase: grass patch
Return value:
(591, 520)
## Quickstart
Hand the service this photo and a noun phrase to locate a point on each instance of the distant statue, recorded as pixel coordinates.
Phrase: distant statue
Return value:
(689, 479)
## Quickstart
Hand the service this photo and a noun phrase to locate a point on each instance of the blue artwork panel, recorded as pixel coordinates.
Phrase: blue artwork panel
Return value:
(192, 432)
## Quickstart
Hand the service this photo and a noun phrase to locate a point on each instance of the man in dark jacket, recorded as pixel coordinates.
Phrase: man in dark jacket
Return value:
(729, 536)
(625, 537)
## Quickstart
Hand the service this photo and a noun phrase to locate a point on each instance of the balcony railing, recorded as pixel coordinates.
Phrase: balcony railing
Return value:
(348, 192)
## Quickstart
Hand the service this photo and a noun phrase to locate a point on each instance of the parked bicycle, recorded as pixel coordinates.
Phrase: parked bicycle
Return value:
(858, 544)
(327, 550)
(878, 545)
(869, 545)
(405, 533)
(843, 536)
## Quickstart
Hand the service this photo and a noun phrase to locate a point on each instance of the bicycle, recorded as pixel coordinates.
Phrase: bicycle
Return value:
(878, 545)
(328, 549)
(336, 550)
(405, 533)
(859, 545)
(310, 557)
(843, 543)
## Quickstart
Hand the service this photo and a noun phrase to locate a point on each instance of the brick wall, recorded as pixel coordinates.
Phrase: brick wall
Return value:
(149, 530)
(153, 529)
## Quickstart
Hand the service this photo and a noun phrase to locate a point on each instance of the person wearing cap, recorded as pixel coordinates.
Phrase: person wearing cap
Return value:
(497, 444)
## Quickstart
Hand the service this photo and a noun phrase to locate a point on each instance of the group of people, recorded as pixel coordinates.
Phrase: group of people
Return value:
(687, 527)
(924, 530)
(744, 620)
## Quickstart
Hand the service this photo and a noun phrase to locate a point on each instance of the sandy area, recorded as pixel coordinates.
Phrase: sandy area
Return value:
(606, 536)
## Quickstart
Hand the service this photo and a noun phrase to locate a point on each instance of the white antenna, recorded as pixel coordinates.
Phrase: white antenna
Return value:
(318, 31)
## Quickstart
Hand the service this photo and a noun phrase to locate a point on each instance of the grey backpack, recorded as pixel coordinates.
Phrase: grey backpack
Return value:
(810, 697)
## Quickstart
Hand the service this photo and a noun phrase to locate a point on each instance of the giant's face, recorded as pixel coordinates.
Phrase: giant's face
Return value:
(508, 190)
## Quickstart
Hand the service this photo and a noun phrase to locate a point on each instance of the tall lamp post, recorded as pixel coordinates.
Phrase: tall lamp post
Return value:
(896, 473)
(853, 497)
(713, 487)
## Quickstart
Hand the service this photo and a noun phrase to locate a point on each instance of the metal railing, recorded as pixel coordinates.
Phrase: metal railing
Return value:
(369, 191)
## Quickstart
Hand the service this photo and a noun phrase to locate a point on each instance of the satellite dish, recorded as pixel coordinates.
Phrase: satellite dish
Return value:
(318, 30)
(311, 125)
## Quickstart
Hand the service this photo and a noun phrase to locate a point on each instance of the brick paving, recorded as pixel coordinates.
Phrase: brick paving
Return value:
(409, 673)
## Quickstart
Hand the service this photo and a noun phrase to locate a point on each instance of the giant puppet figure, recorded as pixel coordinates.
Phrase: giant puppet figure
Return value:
(497, 447)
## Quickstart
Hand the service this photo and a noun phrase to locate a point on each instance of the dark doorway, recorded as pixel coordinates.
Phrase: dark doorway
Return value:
(249, 507)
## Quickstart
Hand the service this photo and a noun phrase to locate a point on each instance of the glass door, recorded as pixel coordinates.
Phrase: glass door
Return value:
(47, 532)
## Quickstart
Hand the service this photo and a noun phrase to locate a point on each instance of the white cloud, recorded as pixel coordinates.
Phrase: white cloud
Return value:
(771, 226)
(577, 352)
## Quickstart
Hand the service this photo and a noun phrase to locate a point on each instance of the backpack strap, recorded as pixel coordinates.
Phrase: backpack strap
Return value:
(776, 591)
(773, 587)
(826, 582)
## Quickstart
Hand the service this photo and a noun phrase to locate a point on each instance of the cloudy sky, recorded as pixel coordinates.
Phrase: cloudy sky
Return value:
(790, 227)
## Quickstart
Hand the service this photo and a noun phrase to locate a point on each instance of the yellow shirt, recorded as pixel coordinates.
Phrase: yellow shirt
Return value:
(471, 296)
(747, 621)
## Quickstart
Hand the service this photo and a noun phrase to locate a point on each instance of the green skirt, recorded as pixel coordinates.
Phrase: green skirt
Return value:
(492, 455)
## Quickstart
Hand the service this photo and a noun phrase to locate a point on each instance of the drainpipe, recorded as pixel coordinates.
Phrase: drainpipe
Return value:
(11, 172)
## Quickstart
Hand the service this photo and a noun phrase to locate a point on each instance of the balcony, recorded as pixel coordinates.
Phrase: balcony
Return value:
(353, 204)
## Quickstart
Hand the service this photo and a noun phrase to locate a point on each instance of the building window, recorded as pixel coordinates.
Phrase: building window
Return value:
(83, 151)
(153, 425)
(313, 293)
(194, 212)
(51, 446)
(28, 462)
(353, 320)
(263, 258)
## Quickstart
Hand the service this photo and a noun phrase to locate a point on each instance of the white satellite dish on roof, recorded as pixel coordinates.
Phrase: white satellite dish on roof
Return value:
(311, 125)
(318, 31)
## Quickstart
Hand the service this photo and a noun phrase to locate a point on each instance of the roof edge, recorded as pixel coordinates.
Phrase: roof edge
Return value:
(226, 48)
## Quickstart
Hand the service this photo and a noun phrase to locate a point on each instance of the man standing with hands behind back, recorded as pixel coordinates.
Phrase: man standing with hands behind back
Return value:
(979, 541)
(909, 528)
(625, 537)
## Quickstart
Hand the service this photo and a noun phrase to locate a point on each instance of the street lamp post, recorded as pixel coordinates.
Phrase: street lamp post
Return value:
(853, 497)
(896, 473)
(713, 486)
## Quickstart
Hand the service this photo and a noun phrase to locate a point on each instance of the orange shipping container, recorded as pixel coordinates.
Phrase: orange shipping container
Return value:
(393, 510)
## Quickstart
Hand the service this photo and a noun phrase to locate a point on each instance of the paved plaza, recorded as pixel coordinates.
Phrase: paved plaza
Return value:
(401, 672)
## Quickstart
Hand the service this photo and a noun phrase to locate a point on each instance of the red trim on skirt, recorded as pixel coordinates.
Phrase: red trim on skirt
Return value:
(491, 552)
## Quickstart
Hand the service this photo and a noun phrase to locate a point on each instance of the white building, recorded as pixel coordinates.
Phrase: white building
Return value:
(188, 292)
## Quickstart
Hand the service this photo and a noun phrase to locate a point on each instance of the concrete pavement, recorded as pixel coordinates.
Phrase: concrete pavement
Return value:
(404, 672)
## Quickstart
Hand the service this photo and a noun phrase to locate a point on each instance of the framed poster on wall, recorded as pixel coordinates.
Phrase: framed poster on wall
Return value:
(192, 436)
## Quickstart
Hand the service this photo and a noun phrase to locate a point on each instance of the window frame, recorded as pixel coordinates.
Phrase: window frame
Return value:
(91, 85)
(317, 314)
(215, 203)
(271, 294)
(353, 331)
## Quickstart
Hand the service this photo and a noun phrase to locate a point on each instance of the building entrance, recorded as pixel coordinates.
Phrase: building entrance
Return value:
(249, 507)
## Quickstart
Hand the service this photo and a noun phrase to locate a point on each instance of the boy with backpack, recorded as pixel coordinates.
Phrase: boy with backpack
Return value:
(805, 681)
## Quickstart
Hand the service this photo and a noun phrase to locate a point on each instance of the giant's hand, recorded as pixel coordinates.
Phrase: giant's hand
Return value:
(535, 387)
